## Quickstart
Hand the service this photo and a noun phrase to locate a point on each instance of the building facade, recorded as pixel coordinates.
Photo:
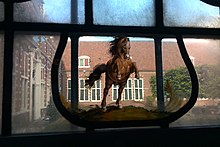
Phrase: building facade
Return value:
(33, 56)
(136, 91)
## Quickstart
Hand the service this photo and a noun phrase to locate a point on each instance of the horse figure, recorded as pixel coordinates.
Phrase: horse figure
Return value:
(117, 70)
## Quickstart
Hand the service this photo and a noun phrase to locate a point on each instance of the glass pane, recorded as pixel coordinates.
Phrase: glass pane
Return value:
(58, 11)
(97, 49)
(98, 94)
(206, 55)
(86, 95)
(177, 83)
(2, 11)
(124, 12)
(33, 109)
(1, 73)
(69, 94)
(93, 94)
(69, 83)
(193, 13)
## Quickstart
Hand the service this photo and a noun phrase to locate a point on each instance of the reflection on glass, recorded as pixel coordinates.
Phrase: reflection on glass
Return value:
(33, 109)
(138, 96)
(177, 82)
(1, 72)
(2, 10)
(124, 12)
(192, 13)
(204, 54)
(56, 11)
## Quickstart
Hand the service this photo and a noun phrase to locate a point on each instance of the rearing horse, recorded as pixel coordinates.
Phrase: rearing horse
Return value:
(117, 70)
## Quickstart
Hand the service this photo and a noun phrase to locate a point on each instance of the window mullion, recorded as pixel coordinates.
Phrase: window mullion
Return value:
(159, 13)
(74, 11)
(7, 73)
(88, 12)
(74, 72)
(159, 74)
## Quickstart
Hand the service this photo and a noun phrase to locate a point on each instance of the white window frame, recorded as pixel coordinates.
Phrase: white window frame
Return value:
(138, 89)
(84, 89)
(126, 90)
(25, 82)
(96, 89)
(84, 58)
(68, 89)
(114, 88)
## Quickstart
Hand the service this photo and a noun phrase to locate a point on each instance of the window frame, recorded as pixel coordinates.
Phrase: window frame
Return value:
(96, 88)
(84, 89)
(127, 88)
(83, 59)
(138, 89)
(9, 27)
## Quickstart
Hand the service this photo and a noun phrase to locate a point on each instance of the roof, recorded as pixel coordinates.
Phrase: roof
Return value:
(143, 53)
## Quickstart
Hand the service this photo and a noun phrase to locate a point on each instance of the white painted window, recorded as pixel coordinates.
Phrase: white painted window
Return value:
(69, 89)
(83, 91)
(138, 90)
(128, 92)
(84, 62)
(96, 91)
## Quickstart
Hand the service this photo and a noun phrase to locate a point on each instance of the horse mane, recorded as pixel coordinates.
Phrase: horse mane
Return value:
(113, 44)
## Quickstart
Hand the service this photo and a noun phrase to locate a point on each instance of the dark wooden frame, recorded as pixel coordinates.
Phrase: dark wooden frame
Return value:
(205, 135)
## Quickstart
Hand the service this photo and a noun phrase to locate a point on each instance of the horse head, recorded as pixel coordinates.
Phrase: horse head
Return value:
(120, 46)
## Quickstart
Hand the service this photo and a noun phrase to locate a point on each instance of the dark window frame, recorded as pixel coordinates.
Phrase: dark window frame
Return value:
(159, 31)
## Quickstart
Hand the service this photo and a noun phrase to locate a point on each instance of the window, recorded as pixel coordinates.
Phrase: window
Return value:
(25, 81)
(128, 90)
(114, 92)
(138, 89)
(84, 62)
(133, 90)
(22, 95)
(96, 91)
(69, 89)
(89, 95)
(83, 91)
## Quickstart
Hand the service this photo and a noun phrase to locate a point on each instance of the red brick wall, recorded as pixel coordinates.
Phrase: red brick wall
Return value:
(143, 53)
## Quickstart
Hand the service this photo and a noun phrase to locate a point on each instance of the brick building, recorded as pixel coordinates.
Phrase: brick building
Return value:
(33, 56)
(143, 53)
(32, 60)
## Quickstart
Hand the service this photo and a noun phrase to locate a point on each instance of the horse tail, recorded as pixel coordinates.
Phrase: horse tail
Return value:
(96, 74)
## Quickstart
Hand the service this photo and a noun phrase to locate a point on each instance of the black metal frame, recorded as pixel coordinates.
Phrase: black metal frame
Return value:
(74, 31)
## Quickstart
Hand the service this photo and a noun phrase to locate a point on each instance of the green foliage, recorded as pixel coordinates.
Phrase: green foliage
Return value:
(179, 79)
(209, 81)
(153, 86)
(208, 76)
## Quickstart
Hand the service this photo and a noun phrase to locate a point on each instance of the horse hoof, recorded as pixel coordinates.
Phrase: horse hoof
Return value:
(120, 106)
(104, 109)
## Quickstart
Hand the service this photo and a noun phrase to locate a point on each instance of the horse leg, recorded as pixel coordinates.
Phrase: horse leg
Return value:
(137, 76)
(121, 87)
(118, 71)
(105, 93)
